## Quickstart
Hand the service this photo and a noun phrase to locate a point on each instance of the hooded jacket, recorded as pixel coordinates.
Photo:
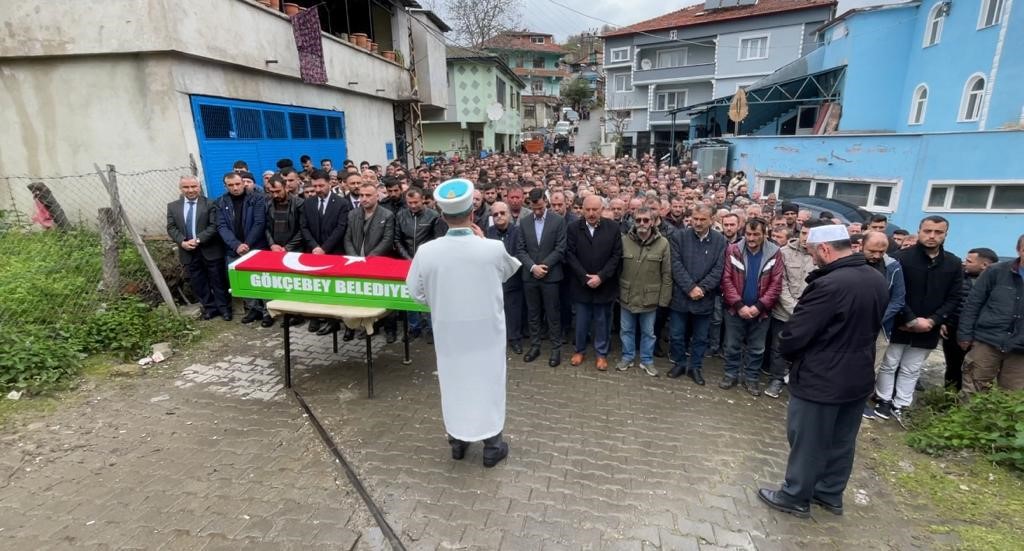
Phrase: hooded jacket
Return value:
(769, 282)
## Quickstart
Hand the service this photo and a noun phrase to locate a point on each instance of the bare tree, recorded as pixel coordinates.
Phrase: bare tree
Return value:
(616, 121)
(474, 21)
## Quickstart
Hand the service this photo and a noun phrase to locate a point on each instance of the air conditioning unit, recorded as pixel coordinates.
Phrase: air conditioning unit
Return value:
(711, 158)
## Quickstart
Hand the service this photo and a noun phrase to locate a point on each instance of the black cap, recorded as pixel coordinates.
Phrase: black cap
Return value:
(789, 207)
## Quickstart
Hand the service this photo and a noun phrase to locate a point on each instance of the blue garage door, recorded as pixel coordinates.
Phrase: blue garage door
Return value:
(260, 134)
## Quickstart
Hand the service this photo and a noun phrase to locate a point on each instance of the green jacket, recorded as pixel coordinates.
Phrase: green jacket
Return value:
(646, 279)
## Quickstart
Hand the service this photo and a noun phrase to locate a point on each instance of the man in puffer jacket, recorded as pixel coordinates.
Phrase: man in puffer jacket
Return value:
(751, 286)
(992, 326)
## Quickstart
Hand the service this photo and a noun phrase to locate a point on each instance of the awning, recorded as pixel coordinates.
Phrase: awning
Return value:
(820, 86)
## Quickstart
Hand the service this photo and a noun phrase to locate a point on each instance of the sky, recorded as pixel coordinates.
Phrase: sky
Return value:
(549, 17)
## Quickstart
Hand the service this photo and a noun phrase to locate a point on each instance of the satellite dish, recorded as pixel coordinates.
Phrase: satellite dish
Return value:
(495, 111)
(645, 64)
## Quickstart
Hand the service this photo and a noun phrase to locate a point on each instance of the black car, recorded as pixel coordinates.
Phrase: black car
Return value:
(846, 212)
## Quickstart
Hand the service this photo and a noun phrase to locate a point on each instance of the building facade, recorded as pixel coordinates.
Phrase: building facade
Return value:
(695, 54)
(537, 60)
(483, 106)
(198, 85)
(915, 110)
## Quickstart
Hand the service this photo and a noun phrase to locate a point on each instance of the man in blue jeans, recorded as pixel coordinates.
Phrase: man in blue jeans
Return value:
(645, 283)
(751, 284)
(698, 255)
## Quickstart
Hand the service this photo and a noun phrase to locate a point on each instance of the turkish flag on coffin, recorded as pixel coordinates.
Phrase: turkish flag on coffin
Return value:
(372, 267)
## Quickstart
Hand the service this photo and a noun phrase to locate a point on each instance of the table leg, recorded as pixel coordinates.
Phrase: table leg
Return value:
(334, 334)
(287, 350)
(405, 337)
(369, 365)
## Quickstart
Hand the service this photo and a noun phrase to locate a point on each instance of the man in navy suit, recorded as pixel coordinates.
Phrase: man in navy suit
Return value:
(541, 250)
(242, 225)
(192, 225)
(324, 219)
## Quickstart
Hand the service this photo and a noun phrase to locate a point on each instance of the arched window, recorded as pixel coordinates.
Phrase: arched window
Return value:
(933, 30)
(974, 92)
(919, 104)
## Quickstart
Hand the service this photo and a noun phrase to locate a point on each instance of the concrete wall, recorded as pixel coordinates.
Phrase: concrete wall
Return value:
(445, 137)
(784, 46)
(910, 159)
(432, 75)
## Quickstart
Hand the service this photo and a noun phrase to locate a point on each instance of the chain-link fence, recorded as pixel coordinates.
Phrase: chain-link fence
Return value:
(72, 272)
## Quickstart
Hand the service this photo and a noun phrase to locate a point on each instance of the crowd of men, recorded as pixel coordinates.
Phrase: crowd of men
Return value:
(654, 253)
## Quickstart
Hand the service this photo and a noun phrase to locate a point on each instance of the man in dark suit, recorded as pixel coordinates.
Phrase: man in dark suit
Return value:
(505, 231)
(192, 225)
(371, 232)
(241, 223)
(542, 250)
(323, 227)
(594, 249)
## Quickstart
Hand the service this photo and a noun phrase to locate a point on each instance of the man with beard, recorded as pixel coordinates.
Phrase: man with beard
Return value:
(875, 244)
(830, 340)
(646, 265)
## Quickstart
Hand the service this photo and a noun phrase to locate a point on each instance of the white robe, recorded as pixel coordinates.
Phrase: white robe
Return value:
(459, 277)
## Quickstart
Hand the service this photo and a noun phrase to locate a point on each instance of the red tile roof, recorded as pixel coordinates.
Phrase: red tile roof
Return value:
(697, 15)
(520, 41)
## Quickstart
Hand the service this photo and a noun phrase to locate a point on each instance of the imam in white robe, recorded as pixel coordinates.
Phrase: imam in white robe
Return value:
(459, 277)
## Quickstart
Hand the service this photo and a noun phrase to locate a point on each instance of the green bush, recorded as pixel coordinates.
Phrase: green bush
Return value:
(50, 297)
(33, 359)
(991, 423)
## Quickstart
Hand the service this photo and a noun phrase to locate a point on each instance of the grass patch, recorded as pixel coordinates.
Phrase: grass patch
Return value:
(981, 502)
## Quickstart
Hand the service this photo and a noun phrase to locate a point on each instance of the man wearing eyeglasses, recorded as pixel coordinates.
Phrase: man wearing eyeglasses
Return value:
(503, 230)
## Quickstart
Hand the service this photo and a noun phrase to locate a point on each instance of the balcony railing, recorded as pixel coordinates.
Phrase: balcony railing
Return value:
(703, 70)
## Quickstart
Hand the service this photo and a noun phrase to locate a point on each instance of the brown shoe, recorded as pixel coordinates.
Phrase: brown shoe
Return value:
(577, 359)
(602, 363)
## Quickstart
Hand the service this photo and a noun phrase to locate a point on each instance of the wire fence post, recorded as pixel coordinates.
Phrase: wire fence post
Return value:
(108, 226)
(110, 183)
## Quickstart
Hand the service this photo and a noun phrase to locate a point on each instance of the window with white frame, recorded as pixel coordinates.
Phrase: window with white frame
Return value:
(619, 55)
(991, 13)
(537, 85)
(753, 47)
(933, 30)
(537, 39)
(974, 92)
(874, 196)
(967, 196)
(919, 104)
(670, 58)
(666, 101)
(622, 83)
(672, 35)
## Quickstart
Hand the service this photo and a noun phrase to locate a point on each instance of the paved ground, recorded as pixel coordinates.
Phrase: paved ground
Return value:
(589, 134)
(209, 452)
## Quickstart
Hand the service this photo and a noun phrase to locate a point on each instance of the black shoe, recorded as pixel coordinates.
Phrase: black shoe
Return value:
(754, 388)
(884, 409)
(251, 316)
(267, 321)
(390, 337)
(676, 371)
(328, 328)
(207, 316)
(516, 347)
(314, 325)
(531, 355)
(430, 337)
(835, 509)
(919, 386)
(458, 448)
(349, 334)
(658, 352)
(774, 389)
(772, 499)
(226, 315)
(727, 383)
(295, 320)
(556, 358)
(495, 449)
(697, 377)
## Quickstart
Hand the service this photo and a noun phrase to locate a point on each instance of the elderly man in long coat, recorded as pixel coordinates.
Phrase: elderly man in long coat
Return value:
(459, 277)
(831, 341)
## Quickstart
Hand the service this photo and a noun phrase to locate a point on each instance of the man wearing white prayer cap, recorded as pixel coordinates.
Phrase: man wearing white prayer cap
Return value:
(831, 341)
(459, 276)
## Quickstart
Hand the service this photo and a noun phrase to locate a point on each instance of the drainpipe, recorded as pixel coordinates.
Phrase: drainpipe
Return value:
(672, 149)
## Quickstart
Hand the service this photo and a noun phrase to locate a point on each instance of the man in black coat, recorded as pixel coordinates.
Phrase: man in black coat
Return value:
(512, 288)
(593, 252)
(323, 227)
(541, 249)
(934, 280)
(192, 225)
(698, 260)
(371, 232)
(831, 341)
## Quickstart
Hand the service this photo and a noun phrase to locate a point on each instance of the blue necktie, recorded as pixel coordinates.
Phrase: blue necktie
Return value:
(189, 221)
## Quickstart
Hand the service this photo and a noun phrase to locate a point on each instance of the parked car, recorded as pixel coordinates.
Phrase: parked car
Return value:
(846, 212)
(563, 128)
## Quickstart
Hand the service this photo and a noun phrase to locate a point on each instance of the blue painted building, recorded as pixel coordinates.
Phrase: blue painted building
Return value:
(909, 110)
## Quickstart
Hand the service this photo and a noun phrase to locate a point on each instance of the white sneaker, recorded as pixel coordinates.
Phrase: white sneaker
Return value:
(623, 365)
(649, 369)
